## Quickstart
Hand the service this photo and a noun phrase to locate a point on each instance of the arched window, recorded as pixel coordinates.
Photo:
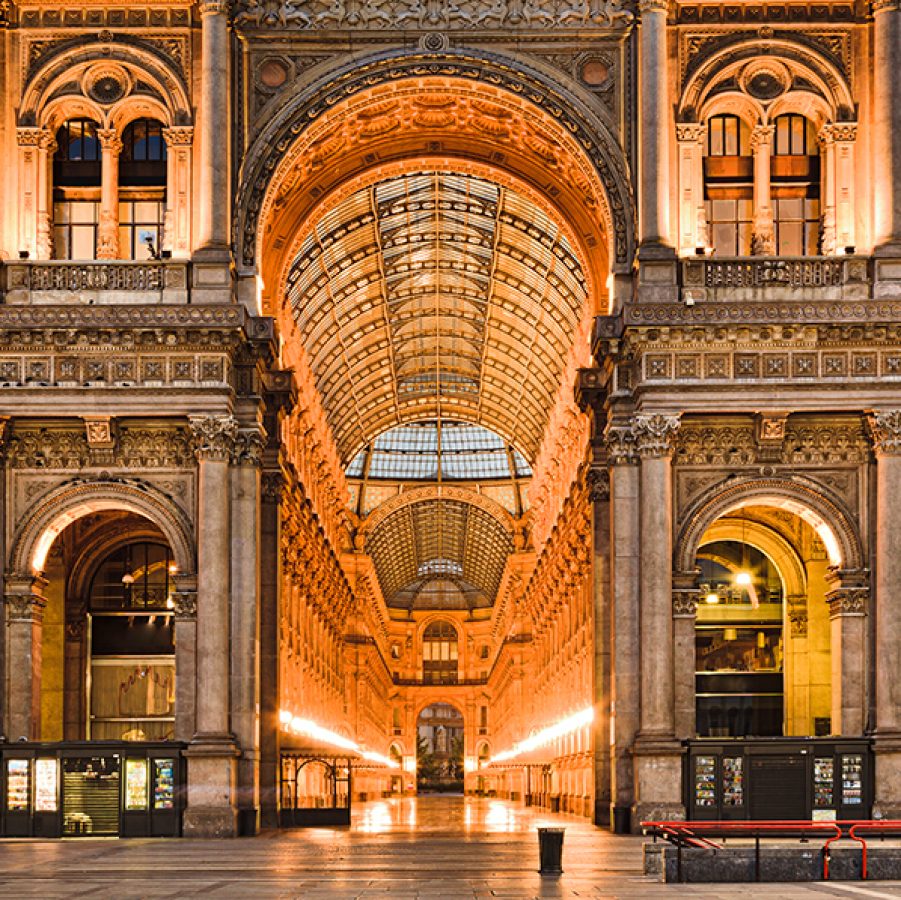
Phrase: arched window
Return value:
(142, 189)
(76, 190)
(439, 653)
(132, 661)
(795, 186)
(729, 185)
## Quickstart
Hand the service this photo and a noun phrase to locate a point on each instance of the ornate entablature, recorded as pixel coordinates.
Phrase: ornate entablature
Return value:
(97, 14)
(432, 14)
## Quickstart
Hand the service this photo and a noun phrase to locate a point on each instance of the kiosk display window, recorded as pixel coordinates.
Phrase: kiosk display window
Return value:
(46, 785)
(852, 779)
(136, 784)
(823, 779)
(164, 784)
(733, 781)
(705, 781)
(17, 785)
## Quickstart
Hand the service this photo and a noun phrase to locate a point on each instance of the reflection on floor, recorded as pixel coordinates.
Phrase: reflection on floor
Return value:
(429, 848)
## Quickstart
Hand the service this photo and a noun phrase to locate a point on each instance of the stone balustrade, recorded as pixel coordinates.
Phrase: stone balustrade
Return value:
(775, 278)
(94, 282)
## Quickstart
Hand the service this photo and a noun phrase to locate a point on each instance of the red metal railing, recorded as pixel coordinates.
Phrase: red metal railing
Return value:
(698, 834)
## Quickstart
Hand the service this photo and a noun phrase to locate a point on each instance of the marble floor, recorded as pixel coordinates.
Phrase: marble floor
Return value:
(428, 848)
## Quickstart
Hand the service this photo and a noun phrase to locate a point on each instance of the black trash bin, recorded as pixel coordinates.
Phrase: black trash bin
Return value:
(550, 851)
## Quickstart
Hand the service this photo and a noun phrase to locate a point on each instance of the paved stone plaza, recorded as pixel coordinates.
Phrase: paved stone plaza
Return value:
(433, 847)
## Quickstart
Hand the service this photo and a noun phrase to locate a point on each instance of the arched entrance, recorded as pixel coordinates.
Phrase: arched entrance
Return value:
(439, 749)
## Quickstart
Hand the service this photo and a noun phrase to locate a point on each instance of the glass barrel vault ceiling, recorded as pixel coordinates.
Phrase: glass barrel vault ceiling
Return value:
(431, 451)
(436, 295)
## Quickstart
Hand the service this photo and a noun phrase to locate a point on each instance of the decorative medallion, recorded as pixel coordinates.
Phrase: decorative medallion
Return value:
(106, 83)
(765, 81)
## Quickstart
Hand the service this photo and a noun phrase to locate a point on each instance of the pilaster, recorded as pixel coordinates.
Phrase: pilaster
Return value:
(848, 598)
(24, 607)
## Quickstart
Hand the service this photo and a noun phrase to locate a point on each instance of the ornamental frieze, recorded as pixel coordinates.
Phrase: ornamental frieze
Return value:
(451, 14)
(128, 15)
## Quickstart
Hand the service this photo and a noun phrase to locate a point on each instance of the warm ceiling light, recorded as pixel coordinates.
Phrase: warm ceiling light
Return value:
(712, 598)
(743, 578)
(128, 578)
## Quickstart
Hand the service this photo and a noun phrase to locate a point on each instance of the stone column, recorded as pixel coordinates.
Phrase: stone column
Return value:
(624, 540)
(886, 431)
(184, 600)
(245, 622)
(847, 598)
(658, 760)
(211, 810)
(599, 494)
(24, 601)
(685, 613)
(214, 126)
(108, 229)
(763, 236)
(886, 127)
(270, 591)
(177, 227)
(692, 212)
(32, 162)
(654, 125)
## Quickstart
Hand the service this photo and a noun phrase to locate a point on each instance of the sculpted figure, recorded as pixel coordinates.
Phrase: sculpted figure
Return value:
(596, 12)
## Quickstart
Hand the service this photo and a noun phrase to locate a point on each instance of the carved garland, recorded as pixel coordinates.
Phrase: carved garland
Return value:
(600, 148)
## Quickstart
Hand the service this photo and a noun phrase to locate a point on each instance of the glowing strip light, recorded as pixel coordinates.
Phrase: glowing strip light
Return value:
(309, 728)
(547, 735)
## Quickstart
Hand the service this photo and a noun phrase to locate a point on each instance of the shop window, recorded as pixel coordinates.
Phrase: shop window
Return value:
(739, 643)
(439, 653)
(795, 186)
(729, 185)
(132, 662)
(142, 189)
(76, 190)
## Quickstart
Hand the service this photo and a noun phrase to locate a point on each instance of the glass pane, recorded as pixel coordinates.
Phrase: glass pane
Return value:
(61, 248)
(82, 242)
(164, 784)
(791, 239)
(723, 210)
(125, 211)
(723, 238)
(83, 211)
(46, 785)
(61, 213)
(132, 690)
(147, 212)
(136, 784)
(17, 785)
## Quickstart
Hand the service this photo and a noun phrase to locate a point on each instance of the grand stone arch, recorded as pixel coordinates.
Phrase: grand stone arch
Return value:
(798, 494)
(545, 96)
(54, 511)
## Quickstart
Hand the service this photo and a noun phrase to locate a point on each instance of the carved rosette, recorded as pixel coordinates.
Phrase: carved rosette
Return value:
(885, 428)
(654, 434)
(213, 437)
(249, 446)
(845, 601)
(185, 604)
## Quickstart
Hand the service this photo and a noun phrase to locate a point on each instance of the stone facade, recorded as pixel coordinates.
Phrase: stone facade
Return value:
(673, 283)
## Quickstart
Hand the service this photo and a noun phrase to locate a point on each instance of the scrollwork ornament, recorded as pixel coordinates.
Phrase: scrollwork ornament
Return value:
(249, 447)
(598, 480)
(185, 604)
(654, 434)
(620, 443)
(885, 428)
(685, 604)
(213, 437)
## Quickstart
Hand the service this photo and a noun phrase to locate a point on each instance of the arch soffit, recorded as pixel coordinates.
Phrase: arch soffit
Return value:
(810, 501)
(771, 543)
(434, 699)
(50, 514)
(40, 106)
(435, 617)
(289, 132)
(437, 492)
(799, 59)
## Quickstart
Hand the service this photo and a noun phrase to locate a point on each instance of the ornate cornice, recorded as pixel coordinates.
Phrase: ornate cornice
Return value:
(654, 434)
(885, 428)
(213, 437)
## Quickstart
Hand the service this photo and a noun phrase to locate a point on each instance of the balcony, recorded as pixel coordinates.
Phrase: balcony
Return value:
(721, 279)
(61, 282)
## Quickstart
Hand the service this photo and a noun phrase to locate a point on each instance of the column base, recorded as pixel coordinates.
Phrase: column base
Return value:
(658, 780)
(621, 819)
(602, 813)
(211, 276)
(212, 770)
(887, 752)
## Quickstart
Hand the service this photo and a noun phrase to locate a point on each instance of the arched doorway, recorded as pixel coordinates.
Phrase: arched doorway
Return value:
(439, 749)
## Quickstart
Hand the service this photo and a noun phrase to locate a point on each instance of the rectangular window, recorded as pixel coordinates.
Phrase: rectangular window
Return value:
(140, 228)
(132, 699)
(729, 223)
(75, 229)
(797, 222)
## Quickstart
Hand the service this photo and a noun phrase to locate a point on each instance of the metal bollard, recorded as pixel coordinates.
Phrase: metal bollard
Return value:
(550, 851)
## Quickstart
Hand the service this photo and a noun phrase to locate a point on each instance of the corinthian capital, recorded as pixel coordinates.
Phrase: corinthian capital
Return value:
(650, 6)
(249, 447)
(620, 442)
(213, 437)
(213, 7)
(654, 433)
(885, 428)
